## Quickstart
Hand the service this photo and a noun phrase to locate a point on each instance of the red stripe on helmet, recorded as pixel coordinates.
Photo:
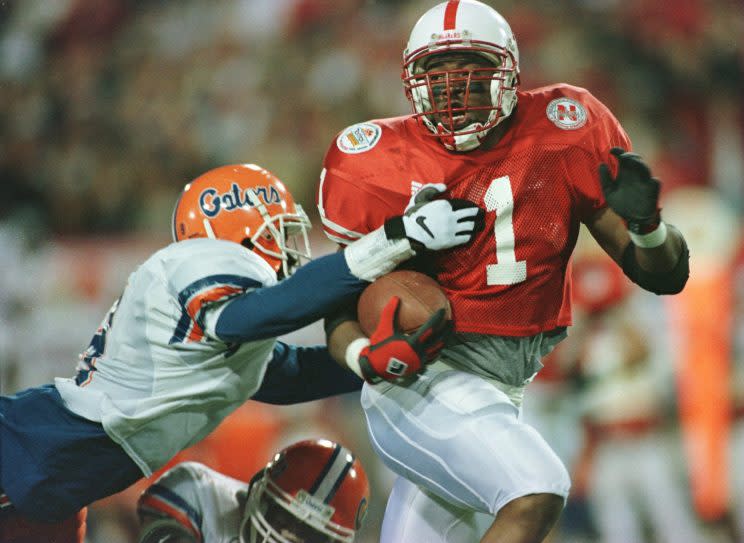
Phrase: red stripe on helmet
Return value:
(450, 14)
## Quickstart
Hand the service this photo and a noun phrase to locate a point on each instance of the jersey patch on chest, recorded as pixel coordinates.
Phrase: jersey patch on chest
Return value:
(566, 113)
(358, 138)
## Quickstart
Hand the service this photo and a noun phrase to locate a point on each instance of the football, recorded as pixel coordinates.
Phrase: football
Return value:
(420, 297)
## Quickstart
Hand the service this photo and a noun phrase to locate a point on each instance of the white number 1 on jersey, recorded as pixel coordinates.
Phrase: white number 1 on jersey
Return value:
(507, 270)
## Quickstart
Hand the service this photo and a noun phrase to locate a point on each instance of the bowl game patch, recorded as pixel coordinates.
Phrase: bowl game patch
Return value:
(359, 138)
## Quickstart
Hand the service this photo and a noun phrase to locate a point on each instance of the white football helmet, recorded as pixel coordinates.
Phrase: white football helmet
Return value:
(461, 26)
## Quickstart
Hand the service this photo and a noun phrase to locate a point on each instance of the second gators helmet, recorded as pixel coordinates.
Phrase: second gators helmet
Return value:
(315, 491)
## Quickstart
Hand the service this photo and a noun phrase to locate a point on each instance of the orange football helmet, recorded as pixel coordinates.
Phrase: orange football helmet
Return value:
(314, 491)
(247, 204)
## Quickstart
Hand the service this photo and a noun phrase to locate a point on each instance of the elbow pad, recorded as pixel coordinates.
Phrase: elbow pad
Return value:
(671, 282)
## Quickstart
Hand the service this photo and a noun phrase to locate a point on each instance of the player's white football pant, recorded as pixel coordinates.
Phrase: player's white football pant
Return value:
(459, 436)
(414, 515)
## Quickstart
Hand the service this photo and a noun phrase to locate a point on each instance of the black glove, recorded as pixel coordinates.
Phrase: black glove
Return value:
(633, 194)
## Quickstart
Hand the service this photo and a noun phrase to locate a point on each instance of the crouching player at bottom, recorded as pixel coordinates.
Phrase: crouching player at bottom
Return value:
(313, 491)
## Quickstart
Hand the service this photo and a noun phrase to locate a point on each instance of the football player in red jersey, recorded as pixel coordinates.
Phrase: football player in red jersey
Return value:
(541, 162)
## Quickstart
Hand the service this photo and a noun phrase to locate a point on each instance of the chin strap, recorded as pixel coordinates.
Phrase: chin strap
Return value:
(462, 142)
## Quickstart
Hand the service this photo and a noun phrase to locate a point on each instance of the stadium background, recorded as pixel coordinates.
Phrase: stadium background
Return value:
(109, 106)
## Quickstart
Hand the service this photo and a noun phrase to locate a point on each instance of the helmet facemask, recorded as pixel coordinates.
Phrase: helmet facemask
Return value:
(450, 102)
(282, 236)
(272, 515)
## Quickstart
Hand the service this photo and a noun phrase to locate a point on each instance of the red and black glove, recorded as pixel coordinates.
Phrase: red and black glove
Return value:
(392, 354)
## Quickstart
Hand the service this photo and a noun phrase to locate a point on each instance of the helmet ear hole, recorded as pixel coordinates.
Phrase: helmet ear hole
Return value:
(247, 243)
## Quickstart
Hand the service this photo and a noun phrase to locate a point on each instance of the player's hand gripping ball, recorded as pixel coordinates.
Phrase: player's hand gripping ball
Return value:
(420, 295)
(407, 317)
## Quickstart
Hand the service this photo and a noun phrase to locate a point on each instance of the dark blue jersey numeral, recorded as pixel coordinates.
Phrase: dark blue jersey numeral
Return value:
(87, 364)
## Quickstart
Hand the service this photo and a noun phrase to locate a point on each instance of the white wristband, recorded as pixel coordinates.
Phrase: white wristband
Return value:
(374, 255)
(652, 239)
(352, 354)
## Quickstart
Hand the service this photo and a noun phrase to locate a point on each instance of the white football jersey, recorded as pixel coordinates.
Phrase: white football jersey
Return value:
(155, 374)
(208, 504)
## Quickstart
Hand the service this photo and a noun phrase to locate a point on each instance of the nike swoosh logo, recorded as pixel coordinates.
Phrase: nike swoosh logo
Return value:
(421, 221)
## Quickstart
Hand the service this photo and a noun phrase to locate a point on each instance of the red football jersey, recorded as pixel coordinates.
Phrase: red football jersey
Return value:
(536, 185)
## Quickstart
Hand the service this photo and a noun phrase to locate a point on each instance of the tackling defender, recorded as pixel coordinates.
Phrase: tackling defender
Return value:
(193, 336)
(470, 468)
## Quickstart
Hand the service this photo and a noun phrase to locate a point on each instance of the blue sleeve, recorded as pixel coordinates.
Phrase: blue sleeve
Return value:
(302, 374)
(313, 291)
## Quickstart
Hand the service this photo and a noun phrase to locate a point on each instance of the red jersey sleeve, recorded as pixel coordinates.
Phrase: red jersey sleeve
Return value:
(605, 133)
(359, 185)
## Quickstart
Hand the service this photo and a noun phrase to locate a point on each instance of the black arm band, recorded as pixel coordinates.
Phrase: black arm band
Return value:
(670, 282)
(346, 312)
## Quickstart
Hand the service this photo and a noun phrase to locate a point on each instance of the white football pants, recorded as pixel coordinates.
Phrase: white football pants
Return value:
(414, 515)
(459, 437)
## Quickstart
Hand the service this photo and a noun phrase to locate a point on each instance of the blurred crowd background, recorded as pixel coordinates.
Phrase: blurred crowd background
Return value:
(108, 107)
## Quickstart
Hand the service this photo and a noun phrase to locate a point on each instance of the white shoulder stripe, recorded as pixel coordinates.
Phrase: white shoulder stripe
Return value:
(337, 239)
(338, 229)
(329, 224)
(321, 210)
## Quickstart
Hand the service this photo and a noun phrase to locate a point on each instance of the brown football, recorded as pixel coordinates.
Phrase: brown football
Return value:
(420, 297)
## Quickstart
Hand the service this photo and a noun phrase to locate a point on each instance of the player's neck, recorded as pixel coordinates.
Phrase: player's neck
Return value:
(494, 136)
